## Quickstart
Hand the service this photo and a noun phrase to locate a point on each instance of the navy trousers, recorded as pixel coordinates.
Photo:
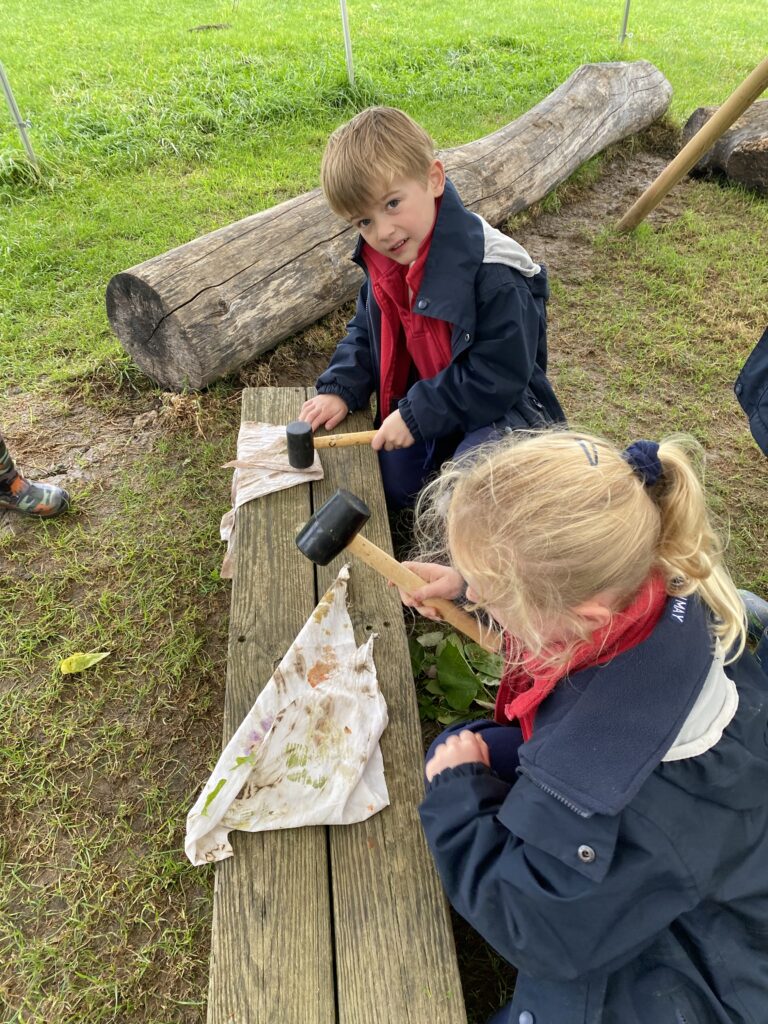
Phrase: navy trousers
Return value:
(405, 470)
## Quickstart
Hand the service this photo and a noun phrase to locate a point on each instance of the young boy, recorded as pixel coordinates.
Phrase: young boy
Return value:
(450, 327)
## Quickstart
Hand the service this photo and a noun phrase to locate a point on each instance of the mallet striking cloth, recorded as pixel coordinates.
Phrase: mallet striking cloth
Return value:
(302, 443)
(336, 525)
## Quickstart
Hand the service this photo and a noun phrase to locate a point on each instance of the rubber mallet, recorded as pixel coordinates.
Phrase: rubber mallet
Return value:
(302, 443)
(336, 526)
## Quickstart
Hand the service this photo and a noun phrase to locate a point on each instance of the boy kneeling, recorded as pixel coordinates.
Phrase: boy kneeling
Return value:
(450, 329)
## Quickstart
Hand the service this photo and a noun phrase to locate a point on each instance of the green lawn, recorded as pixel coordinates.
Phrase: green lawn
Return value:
(150, 134)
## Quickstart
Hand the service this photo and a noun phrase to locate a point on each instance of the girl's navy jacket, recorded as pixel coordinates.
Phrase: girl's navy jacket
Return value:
(625, 886)
(498, 363)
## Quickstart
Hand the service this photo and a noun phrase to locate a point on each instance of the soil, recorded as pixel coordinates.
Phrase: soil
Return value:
(69, 443)
(87, 444)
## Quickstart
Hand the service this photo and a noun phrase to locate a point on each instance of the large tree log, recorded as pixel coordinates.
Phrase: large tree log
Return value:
(742, 153)
(204, 309)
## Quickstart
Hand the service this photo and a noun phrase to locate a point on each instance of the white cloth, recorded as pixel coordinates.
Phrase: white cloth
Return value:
(261, 467)
(308, 751)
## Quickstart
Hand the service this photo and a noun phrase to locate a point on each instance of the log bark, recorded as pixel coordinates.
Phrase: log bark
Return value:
(741, 154)
(202, 310)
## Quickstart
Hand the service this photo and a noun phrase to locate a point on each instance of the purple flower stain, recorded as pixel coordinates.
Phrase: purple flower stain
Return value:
(255, 737)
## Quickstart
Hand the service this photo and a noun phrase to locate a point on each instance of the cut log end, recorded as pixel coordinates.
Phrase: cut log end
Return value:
(156, 341)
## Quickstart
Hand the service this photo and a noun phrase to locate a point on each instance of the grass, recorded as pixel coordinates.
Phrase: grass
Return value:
(151, 132)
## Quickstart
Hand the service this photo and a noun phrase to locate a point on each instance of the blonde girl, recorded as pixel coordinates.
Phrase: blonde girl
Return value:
(608, 832)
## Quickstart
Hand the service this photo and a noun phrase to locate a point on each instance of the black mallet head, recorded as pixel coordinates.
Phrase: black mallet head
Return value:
(301, 449)
(332, 527)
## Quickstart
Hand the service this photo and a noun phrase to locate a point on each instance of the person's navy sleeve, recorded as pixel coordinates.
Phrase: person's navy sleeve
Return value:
(491, 376)
(551, 891)
(350, 372)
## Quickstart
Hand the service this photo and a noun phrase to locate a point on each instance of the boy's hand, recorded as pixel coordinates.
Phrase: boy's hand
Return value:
(441, 581)
(393, 433)
(324, 411)
(466, 748)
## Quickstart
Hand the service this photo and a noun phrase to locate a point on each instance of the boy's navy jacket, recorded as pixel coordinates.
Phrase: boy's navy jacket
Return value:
(625, 886)
(752, 391)
(498, 367)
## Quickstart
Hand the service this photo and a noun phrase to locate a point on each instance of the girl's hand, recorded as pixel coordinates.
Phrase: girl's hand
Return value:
(441, 581)
(393, 433)
(324, 411)
(466, 748)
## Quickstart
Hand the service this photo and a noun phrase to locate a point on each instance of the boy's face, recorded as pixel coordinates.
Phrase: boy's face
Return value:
(399, 220)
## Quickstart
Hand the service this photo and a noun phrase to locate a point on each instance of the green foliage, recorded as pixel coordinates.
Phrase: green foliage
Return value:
(453, 673)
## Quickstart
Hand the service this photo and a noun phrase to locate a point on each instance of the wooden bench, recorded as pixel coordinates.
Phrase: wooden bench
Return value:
(339, 925)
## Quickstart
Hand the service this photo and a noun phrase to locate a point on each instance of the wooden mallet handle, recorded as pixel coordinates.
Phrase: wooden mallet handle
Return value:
(344, 440)
(408, 581)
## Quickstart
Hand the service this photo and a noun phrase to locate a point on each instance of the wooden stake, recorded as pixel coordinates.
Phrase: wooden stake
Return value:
(708, 134)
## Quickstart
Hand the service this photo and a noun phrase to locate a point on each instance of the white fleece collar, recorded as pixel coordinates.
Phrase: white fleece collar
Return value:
(714, 708)
(500, 248)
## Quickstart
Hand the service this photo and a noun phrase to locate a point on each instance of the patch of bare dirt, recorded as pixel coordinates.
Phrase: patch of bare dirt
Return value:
(86, 445)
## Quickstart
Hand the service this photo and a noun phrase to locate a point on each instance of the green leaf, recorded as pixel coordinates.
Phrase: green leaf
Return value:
(430, 639)
(417, 655)
(427, 710)
(483, 661)
(457, 680)
(212, 795)
(449, 717)
(78, 661)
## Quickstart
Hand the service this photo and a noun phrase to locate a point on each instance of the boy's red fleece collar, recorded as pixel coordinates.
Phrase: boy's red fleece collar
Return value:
(428, 347)
(522, 689)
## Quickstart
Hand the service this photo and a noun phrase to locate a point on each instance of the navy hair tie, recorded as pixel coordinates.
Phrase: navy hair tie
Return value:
(643, 457)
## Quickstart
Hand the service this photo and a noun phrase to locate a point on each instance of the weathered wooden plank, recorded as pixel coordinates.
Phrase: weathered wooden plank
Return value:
(271, 944)
(395, 955)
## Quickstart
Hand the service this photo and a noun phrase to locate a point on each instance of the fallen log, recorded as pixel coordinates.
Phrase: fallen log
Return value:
(202, 310)
(742, 153)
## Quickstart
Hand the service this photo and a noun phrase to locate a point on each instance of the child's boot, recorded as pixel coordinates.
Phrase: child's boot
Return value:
(24, 495)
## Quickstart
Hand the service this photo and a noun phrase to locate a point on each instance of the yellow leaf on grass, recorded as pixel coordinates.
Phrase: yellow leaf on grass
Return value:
(78, 661)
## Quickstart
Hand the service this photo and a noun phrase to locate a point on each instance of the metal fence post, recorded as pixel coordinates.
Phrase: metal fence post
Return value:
(347, 43)
(623, 33)
(20, 123)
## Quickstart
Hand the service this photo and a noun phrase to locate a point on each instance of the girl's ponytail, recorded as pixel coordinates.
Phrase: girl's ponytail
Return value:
(689, 552)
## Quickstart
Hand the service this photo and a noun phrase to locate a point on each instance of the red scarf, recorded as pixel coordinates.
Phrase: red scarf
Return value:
(406, 338)
(523, 688)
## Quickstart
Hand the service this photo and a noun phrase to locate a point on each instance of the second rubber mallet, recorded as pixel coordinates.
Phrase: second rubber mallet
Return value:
(336, 526)
(302, 443)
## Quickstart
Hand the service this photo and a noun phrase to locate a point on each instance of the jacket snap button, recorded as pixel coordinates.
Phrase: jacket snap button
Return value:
(467, 337)
(422, 304)
(738, 388)
(526, 1017)
(586, 854)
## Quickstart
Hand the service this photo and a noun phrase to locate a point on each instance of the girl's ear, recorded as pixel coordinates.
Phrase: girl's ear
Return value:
(436, 178)
(596, 612)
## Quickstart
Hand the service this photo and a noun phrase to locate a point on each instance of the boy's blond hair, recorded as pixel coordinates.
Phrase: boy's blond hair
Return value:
(548, 520)
(364, 156)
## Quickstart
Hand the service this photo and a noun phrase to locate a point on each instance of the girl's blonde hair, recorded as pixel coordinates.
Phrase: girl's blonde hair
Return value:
(364, 156)
(547, 520)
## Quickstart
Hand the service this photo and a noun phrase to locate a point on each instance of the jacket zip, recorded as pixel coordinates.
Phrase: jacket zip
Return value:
(558, 796)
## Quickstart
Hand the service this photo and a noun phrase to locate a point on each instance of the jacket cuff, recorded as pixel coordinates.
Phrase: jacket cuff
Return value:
(341, 391)
(461, 771)
(404, 408)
